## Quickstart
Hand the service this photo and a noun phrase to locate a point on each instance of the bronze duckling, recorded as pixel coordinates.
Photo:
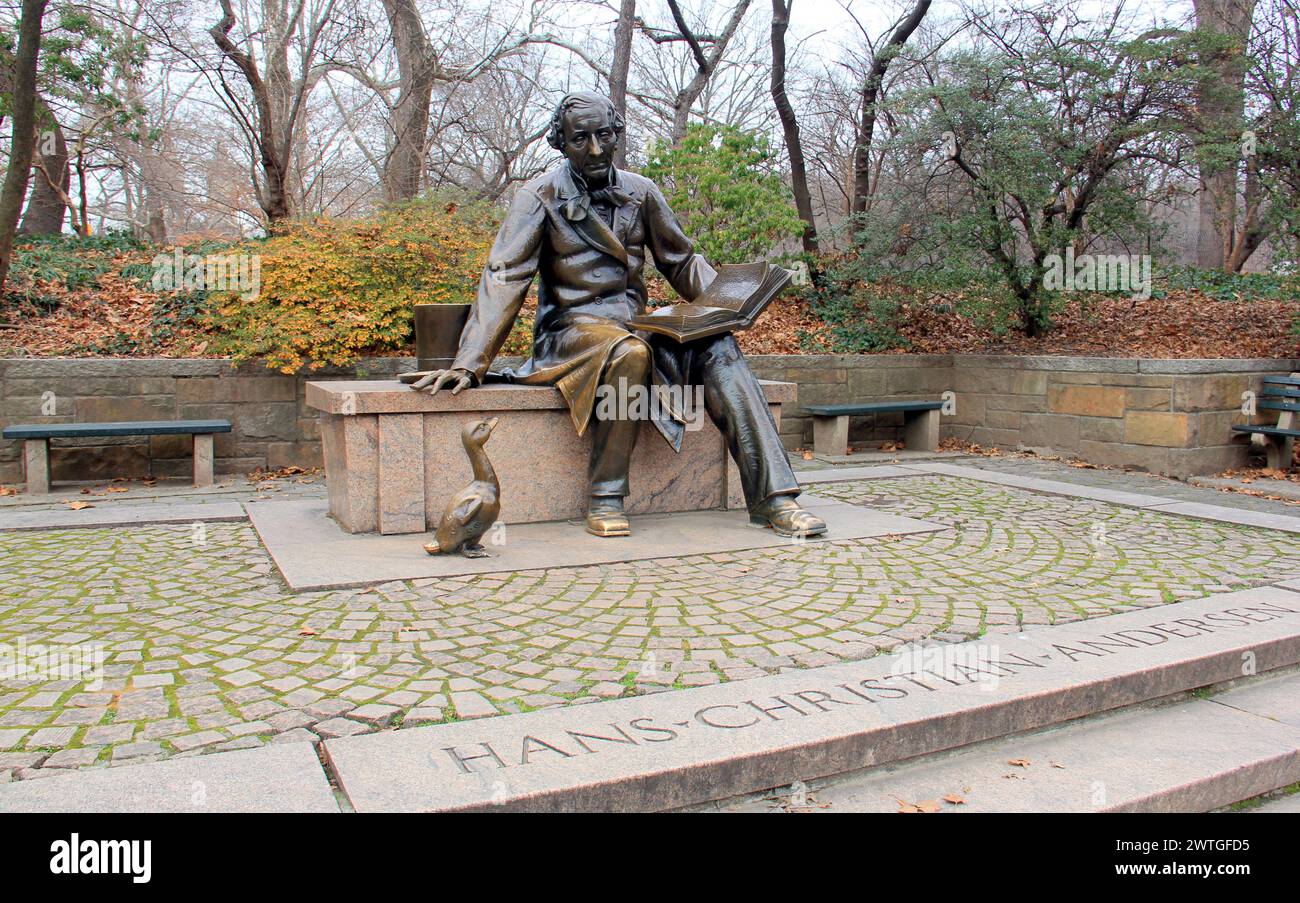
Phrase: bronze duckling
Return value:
(475, 508)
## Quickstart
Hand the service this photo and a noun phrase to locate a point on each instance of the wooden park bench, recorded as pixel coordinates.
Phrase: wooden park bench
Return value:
(37, 438)
(1281, 394)
(831, 424)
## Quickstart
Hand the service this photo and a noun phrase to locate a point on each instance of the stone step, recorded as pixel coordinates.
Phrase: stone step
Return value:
(1189, 756)
(680, 748)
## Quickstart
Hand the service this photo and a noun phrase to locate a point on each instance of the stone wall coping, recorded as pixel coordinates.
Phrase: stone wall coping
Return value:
(387, 396)
(99, 367)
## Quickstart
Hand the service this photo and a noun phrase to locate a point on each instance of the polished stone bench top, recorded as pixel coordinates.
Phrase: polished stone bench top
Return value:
(123, 428)
(389, 396)
(883, 407)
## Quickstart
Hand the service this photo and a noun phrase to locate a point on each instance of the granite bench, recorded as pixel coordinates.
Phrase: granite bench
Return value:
(831, 424)
(393, 456)
(37, 436)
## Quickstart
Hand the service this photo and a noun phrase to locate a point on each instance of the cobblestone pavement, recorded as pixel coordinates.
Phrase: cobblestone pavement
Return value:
(205, 649)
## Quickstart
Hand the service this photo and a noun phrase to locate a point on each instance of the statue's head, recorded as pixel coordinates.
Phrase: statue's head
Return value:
(586, 128)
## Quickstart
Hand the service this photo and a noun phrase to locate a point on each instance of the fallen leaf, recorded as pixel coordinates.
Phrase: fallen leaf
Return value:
(929, 806)
(1020, 763)
(8, 490)
(117, 489)
(306, 631)
(955, 799)
(78, 505)
(807, 456)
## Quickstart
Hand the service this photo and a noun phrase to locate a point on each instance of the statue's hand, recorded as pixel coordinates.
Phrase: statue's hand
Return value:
(457, 380)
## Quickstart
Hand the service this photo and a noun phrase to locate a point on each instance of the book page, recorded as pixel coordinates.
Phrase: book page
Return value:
(734, 285)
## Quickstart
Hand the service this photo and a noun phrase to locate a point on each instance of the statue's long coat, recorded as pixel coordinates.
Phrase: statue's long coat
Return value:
(592, 283)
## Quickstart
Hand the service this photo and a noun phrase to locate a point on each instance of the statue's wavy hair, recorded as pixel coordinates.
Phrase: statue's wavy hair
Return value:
(555, 136)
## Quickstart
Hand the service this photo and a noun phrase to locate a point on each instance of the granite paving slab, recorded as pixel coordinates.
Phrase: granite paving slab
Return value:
(285, 777)
(1233, 515)
(1192, 756)
(313, 552)
(672, 750)
(120, 516)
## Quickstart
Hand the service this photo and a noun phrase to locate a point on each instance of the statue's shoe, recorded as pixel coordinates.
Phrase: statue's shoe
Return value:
(784, 515)
(607, 519)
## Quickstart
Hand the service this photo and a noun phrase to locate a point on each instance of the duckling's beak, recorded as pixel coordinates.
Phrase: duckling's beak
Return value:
(492, 424)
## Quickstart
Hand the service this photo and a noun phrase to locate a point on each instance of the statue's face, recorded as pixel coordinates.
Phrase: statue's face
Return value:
(589, 142)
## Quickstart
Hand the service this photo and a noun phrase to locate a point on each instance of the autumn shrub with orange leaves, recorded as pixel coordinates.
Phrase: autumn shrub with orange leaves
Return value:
(332, 291)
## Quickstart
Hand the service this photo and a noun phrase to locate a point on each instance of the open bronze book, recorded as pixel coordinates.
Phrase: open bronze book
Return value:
(732, 302)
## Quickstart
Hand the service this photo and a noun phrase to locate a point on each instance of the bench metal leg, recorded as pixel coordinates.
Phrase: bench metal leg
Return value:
(921, 430)
(36, 461)
(831, 435)
(203, 459)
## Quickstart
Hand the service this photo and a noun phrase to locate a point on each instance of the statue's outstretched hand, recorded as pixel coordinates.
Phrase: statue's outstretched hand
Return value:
(457, 380)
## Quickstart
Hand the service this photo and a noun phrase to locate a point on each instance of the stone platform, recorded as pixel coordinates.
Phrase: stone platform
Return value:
(313, 553)
(393, 456)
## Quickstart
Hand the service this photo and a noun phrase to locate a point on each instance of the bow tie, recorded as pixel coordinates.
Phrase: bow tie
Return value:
(577, 208)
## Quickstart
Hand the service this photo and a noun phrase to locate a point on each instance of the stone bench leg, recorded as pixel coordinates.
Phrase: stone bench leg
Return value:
(1279, 450)
(36, 462)
(831, 435)
(203, 459)
(921, 430)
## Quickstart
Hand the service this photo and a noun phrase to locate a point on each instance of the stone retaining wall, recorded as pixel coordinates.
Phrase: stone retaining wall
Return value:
(1166, 416)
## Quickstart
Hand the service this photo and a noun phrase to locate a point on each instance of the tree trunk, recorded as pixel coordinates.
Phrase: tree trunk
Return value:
(790, 125)
(51, 180)
(705, 66)
(21, 146)
(870, 92)
(417, 71)
(1220, 107)
(618, 72)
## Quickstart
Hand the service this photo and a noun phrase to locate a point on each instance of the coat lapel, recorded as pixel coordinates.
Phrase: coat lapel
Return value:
(591, 227)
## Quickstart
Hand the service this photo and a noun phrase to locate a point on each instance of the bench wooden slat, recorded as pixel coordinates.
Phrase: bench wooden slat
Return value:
(1266, 405)
(1282, 381)
(884, 407)
(1276, 392)
(1266, 430)
(125, 428)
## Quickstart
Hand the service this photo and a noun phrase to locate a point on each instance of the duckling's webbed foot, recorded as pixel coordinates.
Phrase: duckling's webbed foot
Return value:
(474, 551)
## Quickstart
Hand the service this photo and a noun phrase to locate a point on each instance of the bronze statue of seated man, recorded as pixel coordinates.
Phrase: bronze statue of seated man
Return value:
(585, 227)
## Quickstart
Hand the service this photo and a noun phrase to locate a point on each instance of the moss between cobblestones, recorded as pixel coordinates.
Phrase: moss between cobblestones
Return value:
(1008, 558)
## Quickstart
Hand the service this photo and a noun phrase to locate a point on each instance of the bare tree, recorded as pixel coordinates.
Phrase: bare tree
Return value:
(21, 145)
(47, 201)
(624, 31)
(706, 64)
(1220, 104)
(790, 124)
(870, 93)
(271, 120)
